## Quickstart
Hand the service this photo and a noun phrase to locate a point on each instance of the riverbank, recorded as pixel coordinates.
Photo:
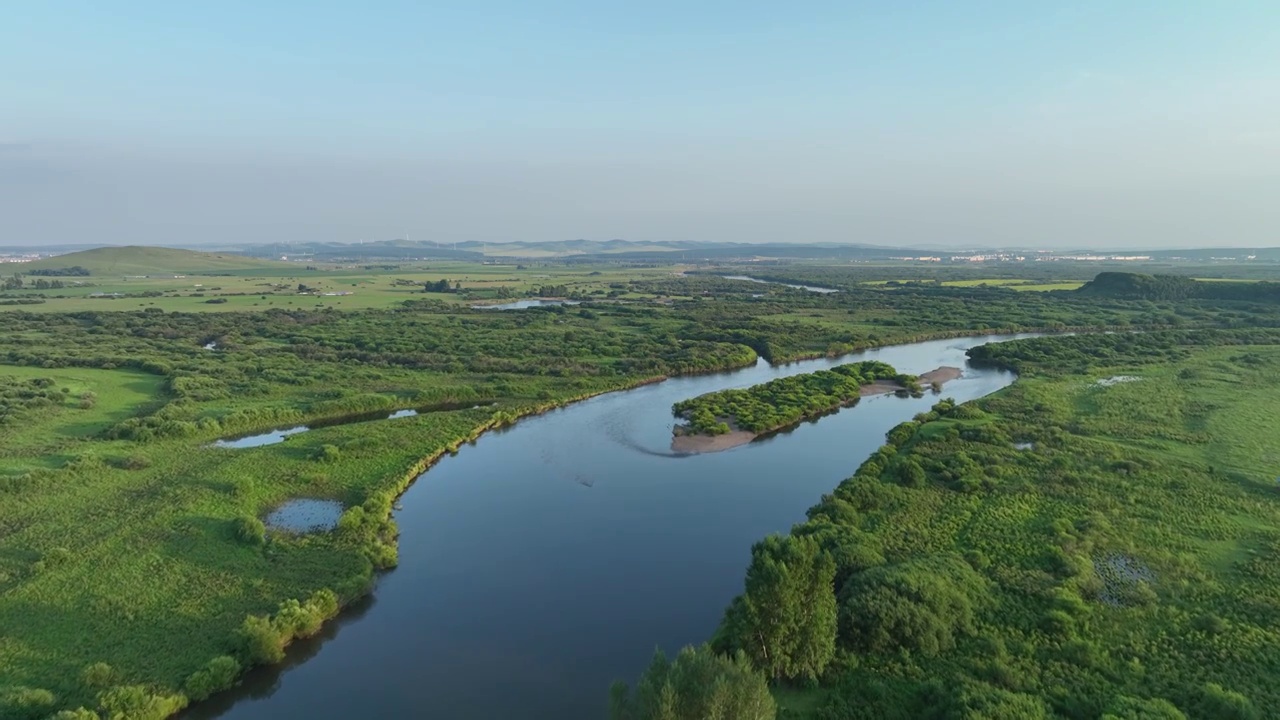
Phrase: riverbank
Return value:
(686, 443)
(558, 516)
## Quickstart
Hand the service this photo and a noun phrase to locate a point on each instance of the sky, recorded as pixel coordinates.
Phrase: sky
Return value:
(930, 123)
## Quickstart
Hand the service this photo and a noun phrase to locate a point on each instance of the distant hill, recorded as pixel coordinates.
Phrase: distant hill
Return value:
(1139, 286)
(139, 260)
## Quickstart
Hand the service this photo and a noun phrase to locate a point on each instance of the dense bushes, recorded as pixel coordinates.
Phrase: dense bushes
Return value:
(220, 674)
(785, 619)
(698, 685)
(1139, 286)
(263, 639)
(21, 703)
(1078, 571)
(249, 530)
(136, 702)
(921, 605)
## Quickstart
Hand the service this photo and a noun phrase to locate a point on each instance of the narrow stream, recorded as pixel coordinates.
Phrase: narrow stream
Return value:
(552, 557)
(271, 437)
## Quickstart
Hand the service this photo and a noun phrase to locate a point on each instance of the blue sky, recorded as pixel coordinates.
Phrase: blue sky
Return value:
(1039, 124)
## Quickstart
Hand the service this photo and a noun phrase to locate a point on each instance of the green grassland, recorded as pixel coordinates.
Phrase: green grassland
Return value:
(261, 285)
(123, 533)
(92, 401)
(1123, 561)
(126, 540)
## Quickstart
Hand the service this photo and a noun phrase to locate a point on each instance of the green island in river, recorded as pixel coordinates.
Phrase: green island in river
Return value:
(729, 418)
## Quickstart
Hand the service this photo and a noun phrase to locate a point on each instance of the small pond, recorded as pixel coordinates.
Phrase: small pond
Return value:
(525, 304)
(271, 437)
(1116, 380)
(302, 515)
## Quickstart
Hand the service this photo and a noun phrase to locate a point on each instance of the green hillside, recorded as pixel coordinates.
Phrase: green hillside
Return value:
(138, 260)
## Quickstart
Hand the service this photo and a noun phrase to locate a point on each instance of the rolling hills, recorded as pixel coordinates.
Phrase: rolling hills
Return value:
(138, 260)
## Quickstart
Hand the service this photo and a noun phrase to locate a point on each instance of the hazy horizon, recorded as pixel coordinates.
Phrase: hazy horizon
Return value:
(1089, 125)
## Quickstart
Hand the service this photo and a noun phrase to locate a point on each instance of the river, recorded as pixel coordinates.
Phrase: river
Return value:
(810, 288)
(552, 557)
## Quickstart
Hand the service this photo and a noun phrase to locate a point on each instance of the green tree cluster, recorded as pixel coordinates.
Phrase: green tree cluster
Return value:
(699, 684)
(786, 401)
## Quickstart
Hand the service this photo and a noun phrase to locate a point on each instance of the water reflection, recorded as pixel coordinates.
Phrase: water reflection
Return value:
(551, 558)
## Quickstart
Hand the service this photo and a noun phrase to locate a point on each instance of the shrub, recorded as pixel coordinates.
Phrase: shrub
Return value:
(80, 713)
(136, 461)
(263, 639)
(249, 530)
(1218, 703)
(56, 557)
(219, 674)
(328, 453)
(98, 675)
(1057, 623)
(919, 605)
(1131, 708)
(698, 684)
(1209, 623)
(984, 702)
(135, 702)
(260, 643)
(20, 703)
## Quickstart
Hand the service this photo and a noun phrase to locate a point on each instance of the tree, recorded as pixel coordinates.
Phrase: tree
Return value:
(328, 453)
(919, 605)
(135, 702)
(1218, 703)
(785, 620)
(219, 674)
(984, 702)
(261, 643)
(1131, 708)
(699, 685)
(250, 530)
(911, 473)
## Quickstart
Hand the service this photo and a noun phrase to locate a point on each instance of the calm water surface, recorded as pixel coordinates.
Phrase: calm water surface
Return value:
(552, 558)
(810, 288)
(525, 304)
(271, 437)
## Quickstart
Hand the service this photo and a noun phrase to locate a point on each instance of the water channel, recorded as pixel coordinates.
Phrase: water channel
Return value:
(810, 288)
(552, 557)
(525, 304)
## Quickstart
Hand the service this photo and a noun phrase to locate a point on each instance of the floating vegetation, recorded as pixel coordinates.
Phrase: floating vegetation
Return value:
(1125, 579)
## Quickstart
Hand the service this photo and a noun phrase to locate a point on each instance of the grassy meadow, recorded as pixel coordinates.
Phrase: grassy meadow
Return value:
(337, 287)
(136, 574)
